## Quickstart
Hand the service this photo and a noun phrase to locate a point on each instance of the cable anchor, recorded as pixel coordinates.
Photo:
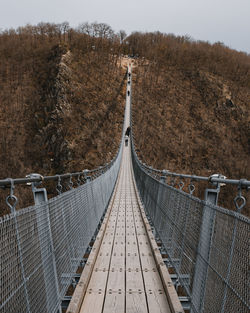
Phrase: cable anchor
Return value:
(78, 180)
(70, 183)
(11, 200)
(181, 183)
(239, 200)
(59, 186)
(191, 187)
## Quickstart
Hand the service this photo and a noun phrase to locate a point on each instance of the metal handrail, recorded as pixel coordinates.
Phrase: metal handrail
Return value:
(243, 182)
(39, 178)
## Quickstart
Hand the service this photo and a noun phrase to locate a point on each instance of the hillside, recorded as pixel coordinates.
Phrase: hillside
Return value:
(61, 102)
(191, 107)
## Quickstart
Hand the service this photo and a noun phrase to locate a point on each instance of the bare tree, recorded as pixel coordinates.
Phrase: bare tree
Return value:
(122, 35)
(85, 28)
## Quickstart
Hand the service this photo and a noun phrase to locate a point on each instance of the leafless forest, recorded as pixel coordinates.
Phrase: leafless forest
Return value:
(62, 98)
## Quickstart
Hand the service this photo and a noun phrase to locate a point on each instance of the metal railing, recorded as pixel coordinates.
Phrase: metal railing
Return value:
(214, 179)
(80, 177)
(42, 245)
(207, 245)
(205, 241)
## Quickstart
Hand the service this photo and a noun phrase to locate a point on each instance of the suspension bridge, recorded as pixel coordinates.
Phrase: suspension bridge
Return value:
(124, 240)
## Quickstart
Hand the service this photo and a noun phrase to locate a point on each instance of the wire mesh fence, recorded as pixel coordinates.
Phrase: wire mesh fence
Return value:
(208, 243)
(42, 246)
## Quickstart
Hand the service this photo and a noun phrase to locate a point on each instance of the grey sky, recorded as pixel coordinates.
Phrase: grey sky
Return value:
(210, 20)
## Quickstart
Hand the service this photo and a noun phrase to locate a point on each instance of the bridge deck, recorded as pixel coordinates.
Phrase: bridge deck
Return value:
(125, 275)
(125, 271)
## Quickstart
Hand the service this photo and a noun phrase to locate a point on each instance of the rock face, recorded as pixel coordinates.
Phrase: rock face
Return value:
(53, 134)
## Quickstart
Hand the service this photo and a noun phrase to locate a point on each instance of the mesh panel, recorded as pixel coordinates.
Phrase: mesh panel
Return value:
(41, 246)
(209, 243)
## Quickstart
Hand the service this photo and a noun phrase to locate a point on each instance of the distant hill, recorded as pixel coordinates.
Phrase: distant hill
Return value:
(191, 103)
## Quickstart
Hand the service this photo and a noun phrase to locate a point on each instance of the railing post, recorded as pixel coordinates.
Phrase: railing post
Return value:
(87, 178)
(212, 195)
(12, 206)
(163, 176)
(239, 207)
(46, 244)
(204, 247)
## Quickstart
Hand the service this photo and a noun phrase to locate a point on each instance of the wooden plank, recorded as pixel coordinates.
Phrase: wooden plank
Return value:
(135, 292)
(93, 301)
(114, 302)
(115, 293)
(156, 298)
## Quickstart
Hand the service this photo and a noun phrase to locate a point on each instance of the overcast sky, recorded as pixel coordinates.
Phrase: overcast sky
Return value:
(209, 20)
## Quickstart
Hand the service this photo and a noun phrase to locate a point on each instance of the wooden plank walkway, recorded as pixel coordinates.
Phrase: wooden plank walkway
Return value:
(125, 271)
